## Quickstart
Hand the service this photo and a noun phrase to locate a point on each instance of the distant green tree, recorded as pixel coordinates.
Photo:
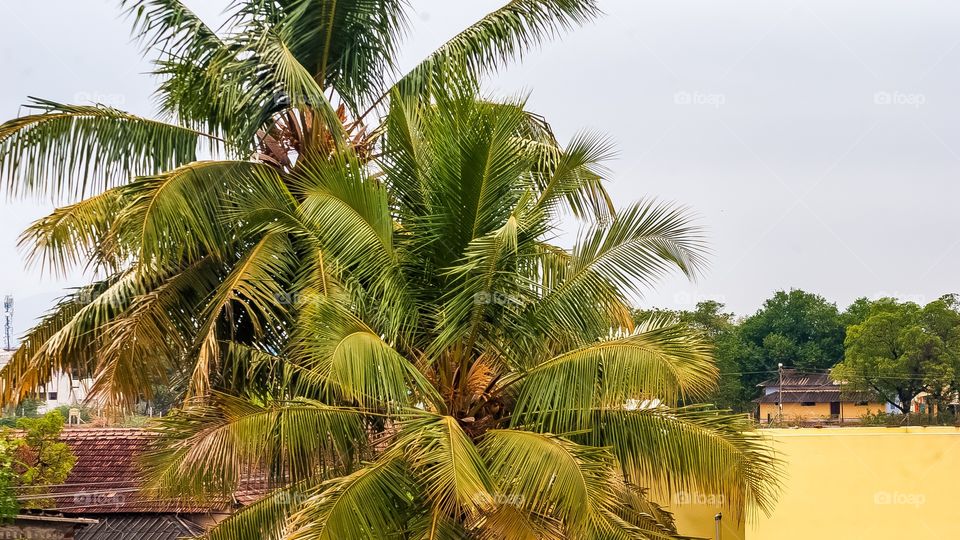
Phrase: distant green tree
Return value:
(902, 349)
(8, 497)
(42, 460)
(857, 312)
(796, 328)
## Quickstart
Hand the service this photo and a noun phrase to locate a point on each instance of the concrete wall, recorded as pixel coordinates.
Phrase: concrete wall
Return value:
(852, 483)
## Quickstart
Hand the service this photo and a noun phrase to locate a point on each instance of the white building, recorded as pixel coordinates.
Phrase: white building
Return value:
(61, 390)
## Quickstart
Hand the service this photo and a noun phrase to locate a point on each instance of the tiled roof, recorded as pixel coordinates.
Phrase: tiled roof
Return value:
(140, 527)
(106, 476)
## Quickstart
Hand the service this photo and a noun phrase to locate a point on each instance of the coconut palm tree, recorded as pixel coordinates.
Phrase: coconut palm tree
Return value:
(377, 325)
(419, 360)
(279, 79)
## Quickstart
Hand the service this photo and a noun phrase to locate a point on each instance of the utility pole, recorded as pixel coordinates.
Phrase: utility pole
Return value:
(780, 394)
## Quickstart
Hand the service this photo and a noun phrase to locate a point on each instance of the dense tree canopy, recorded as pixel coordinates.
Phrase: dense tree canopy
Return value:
(901, 349)
(796, 328)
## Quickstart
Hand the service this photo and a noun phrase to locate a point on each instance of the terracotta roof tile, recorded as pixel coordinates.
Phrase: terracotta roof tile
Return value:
(107, 474)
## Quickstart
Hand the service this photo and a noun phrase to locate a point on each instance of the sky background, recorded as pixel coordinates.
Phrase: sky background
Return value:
(817, 141)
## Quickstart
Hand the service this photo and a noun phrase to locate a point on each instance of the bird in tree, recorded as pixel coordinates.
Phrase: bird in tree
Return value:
(374, 322)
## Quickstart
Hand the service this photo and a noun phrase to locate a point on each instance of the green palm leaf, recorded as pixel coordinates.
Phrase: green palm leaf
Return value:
(343, 509)
(212, 447)
(547, 475)
(661, 363)
(70, 151)
(499, 37)
(446, 461)
(690, 449)
(77, 234)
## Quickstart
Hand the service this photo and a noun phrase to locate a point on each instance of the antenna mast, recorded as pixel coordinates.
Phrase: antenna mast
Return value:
(8, 322)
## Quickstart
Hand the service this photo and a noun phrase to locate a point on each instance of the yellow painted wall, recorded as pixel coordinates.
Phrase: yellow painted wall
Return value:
(851, 483)
(852, 411)
(695, 517)
(862, 483)
(796, 411)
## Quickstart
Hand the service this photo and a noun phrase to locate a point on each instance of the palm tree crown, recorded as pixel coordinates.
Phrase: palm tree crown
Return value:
(373, 319)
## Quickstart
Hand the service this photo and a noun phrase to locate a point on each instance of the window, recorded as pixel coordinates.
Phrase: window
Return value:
(862, 403)
(51, 396)
(808, 404)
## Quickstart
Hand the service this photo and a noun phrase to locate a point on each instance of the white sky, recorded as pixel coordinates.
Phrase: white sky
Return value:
(816, 140)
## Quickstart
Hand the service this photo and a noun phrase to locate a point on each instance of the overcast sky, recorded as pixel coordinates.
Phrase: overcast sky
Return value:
(817, 141)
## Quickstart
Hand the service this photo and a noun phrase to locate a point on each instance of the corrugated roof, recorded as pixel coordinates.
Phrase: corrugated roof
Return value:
(140, 527)
(817, 396)
(794, 377)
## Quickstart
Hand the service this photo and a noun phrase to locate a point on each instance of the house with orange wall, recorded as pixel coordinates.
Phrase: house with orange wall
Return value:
(812, 397)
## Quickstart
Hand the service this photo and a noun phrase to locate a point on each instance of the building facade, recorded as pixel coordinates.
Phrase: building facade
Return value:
(62, 390)
(798, 397)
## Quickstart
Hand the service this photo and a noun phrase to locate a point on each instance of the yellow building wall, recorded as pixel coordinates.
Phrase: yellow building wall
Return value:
(850, 483)
(796, 411)
(694, 514)
(852, 411)
(863, 483)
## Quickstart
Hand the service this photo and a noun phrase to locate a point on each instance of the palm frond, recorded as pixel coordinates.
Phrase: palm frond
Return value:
(69, 151)
(447, 464)
(179, 215)
(28, 368)
(616, 260)
(547, 475)
(67, 339)
(75, 235)
(663, 363)
(691, 448)
(342, 511)
(171, 28)
(336, 351)
(497, 38)
(573, 176)
(209, 448)
(265, 519)
(256, 284)
(349, 45)
(142, 346)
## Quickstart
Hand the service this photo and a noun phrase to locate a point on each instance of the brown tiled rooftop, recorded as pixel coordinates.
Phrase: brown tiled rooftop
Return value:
(107, 476)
